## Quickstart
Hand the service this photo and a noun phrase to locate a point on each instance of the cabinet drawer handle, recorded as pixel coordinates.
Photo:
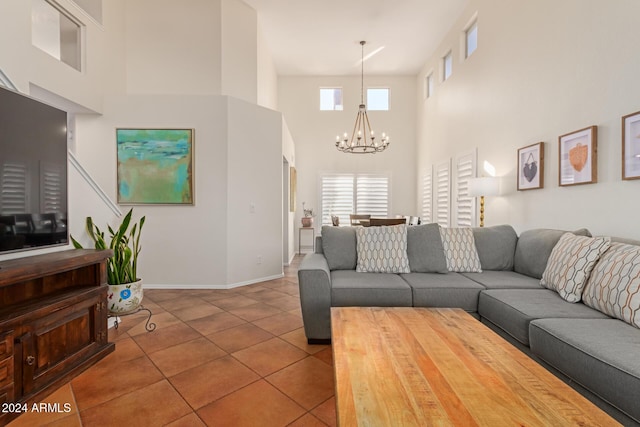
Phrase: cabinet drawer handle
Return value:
(30, 360)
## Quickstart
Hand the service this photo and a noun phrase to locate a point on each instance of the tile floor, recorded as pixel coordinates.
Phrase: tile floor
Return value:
(234, 357)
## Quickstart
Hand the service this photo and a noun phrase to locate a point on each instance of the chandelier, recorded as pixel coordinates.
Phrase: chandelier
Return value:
(363, 139)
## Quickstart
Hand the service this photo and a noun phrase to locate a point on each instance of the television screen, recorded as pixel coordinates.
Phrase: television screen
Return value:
(33, 173)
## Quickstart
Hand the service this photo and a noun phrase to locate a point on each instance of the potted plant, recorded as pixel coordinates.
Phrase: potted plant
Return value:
(307, 220)
(125, 287)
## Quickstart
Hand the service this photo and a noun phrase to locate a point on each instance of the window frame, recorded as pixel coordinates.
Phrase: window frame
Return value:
(386, 88)
(473, 25)
(429, 85)
(333, 88)
(447, 58)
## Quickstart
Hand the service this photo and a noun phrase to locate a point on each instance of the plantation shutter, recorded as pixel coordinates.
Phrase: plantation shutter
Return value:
(443, 193)
(372, 195)
(51, 187)
(346, 194)
(465, 205)
(427, 196)
(337, 197)
(14, 184)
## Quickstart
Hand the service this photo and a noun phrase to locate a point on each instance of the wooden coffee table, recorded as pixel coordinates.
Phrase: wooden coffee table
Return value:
(423, 367)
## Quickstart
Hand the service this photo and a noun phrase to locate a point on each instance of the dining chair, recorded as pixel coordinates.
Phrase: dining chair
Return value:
(356, 219)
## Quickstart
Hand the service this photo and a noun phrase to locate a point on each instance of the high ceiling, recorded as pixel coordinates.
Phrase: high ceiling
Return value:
(321, 37)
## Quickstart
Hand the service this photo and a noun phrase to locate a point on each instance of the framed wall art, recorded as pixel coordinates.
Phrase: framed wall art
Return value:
(155, 166)
(578, 157)
(531, 167)
(631, 146)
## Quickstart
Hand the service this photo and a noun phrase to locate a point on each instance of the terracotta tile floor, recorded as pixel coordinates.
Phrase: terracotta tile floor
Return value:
(234, 357)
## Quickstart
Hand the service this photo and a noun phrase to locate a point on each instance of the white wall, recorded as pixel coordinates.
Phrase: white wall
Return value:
(267, 77)
(254, 193)
(173, 47)
(315, 131)
(542, 69)
(239, 53)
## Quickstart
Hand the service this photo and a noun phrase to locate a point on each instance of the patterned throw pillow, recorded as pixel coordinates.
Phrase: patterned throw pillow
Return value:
(460, 250)
(570, 264)
(614, 285)
(382, 249)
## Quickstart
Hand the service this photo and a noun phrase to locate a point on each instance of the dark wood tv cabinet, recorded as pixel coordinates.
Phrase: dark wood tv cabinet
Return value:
(53, 323)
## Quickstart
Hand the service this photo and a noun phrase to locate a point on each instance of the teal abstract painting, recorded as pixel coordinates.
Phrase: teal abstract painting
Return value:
(155, 166)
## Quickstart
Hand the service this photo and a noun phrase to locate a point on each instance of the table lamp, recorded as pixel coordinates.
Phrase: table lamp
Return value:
(482, 187)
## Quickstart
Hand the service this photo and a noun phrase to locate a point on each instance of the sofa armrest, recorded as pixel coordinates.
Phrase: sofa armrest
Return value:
(314, 280)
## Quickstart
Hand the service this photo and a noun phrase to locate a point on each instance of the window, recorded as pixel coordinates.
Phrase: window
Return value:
(443, 193)
(55, 33)
(378, 99)
(465, 205)
(471, 39)
(428, 85)
(331, 99)
(427, 195)
(447, 66)
(345, 194)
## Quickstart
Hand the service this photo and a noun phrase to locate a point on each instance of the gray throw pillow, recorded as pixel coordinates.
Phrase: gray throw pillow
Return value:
(496, 246)
(425, 250)
(339, 247)
(535, 246)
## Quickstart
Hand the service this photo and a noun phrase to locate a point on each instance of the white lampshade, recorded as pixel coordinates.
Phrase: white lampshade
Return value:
(484, 186)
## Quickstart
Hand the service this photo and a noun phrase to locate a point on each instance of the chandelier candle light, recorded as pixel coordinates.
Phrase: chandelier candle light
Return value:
(363, 139)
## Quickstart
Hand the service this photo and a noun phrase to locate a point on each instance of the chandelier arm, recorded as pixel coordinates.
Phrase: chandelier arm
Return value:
(355, 128)
(366, 116)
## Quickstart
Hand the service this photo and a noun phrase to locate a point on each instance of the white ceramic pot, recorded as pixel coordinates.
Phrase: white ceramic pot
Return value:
(125, 298)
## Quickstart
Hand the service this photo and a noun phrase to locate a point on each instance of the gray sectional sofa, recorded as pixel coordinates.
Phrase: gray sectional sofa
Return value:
(596, 354)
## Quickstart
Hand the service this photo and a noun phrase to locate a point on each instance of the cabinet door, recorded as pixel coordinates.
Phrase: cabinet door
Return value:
(57, 343)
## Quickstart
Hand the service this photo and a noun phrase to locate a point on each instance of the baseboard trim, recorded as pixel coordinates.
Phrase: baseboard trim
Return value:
(211, 286)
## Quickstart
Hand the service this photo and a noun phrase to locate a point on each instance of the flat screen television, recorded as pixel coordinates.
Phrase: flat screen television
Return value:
(33, 173)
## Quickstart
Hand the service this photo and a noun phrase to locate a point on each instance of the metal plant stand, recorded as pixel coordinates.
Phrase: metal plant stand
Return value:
(149, 325)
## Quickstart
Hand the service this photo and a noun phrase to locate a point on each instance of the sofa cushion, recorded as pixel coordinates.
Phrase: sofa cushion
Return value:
(535, 246)
(424, 249)
(349, 288)
(512, 309)
(570, 264)
(496, 246)
(339, 247)
(451, 290)
(504, 280)
(599, 354)
(382, 249)
(460, 249)
(614, 284)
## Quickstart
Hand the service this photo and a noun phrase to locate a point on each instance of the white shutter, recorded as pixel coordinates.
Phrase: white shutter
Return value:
(427, 196)
(372, 195)
(51, 187)
(14, 185)
(465, 205)
(337, 197)
(443, 193)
